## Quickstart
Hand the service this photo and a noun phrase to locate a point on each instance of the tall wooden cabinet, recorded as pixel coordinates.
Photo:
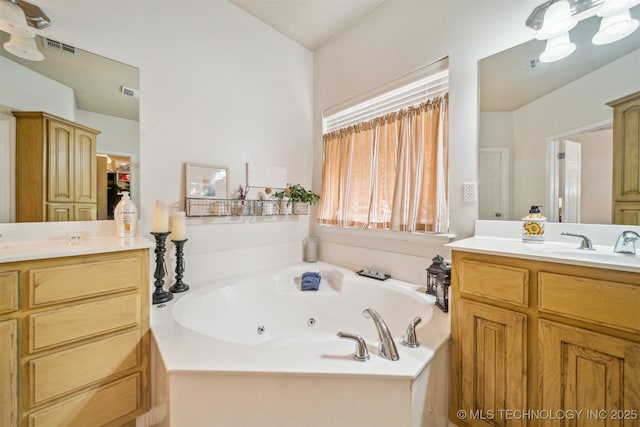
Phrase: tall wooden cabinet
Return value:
(55, 169)
(75, 341)
(626, 159)
(532, 338)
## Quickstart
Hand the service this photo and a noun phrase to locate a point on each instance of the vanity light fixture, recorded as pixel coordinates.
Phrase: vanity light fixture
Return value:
(13, 20)
(616, 22)
(17, 18)
(557, 48)
(557, 21)
(555, 18)
(23, 47)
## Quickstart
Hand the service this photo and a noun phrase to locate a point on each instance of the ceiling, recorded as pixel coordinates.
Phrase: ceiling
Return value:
(96, 80)
(308, 22)
(514, 77)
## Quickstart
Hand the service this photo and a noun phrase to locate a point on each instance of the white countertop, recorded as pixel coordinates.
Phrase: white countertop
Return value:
(60, 247)
(550, 251)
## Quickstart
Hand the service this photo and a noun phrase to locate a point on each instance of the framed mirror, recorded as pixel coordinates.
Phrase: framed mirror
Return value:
(534, 115)
(84, 89)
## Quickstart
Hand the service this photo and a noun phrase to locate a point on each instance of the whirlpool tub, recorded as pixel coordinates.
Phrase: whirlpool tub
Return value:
(258, 350)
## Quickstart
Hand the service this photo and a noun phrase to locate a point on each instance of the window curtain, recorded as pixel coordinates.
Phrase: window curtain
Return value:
(389, 172)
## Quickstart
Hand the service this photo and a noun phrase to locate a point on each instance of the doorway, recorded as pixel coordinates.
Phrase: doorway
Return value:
(580, 176)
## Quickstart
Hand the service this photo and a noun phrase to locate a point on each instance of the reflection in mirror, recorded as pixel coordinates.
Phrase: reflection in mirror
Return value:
(545, 128)
(79, 91)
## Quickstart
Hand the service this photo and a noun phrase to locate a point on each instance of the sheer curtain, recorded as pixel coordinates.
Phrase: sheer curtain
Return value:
(389, 172)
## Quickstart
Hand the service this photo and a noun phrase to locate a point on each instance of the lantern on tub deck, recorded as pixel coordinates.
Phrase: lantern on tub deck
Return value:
(438, 281)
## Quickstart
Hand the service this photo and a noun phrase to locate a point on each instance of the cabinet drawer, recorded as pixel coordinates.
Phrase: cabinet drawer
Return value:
(9, 291)
(67, 371)
(598, 301)
(66, 325)
(95, 408)
(497, 282)
(72, 282)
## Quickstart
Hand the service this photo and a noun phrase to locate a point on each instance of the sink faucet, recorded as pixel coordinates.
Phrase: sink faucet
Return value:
(626, 242)
(586, 242)
(388, 348)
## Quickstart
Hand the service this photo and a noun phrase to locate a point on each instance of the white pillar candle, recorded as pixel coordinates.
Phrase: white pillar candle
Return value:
(160, 218)
(179, 227)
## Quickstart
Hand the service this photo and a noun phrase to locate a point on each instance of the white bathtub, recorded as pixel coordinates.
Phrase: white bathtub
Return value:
(259, 351)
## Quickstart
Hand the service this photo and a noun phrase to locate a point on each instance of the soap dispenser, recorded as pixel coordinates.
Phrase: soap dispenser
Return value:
(126, 216)
(533, 226)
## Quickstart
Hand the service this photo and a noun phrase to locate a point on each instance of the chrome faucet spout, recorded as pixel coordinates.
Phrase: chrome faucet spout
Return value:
(586, 242)
(626, 242)
(388, 348)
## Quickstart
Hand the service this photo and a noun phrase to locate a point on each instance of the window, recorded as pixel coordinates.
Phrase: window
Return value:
(385, 160)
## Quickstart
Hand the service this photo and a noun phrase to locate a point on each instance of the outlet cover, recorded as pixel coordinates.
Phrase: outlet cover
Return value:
(470, 191)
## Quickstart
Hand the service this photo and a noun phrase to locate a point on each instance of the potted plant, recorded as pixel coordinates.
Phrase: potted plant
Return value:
(297, 198)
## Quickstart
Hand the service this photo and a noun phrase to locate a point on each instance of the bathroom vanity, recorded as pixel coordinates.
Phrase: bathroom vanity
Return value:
(74, 332)
(541, 332)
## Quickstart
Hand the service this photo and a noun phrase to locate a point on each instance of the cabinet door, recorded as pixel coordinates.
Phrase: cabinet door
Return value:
(494, 363)
(60, 158)
(85, 211)
(85, 178)
(9, 373)
(60, 212)
(588, 371)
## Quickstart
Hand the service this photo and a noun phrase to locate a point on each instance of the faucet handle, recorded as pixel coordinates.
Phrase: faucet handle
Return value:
(361, 353)
(410, 339)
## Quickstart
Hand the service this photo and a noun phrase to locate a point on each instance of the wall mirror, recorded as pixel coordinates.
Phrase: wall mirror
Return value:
(533, 113)
(79, 87)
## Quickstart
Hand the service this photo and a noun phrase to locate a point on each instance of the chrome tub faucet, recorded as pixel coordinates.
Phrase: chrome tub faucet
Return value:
(626, 242)
(388, 348)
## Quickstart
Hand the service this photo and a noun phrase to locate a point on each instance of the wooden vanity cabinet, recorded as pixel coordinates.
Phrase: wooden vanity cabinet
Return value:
(81, 341)
(626, 159)
(530, 335)
(55, 169)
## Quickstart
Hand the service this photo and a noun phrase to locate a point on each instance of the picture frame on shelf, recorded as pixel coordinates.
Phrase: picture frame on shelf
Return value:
(203, 181)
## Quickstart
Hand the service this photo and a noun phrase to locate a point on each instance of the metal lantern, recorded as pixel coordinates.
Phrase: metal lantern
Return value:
(438, 281)
(432, 274)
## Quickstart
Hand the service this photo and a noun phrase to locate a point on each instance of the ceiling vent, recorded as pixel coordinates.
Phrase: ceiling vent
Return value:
(129, 91)
(60, 47)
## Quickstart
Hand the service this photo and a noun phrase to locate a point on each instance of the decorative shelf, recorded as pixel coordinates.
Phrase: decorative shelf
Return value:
(198, 207)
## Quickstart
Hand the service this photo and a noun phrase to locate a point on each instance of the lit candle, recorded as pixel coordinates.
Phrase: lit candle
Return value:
(179, 228)
(160, 218)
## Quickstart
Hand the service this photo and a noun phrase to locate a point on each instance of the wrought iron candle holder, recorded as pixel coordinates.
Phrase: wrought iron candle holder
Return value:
(179, 285)
(160, 295)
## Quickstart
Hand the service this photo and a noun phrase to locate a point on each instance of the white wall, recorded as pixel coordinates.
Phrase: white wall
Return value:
(119, 137)
(34, 91)
(396, 38)
(596, 177)
(216, 86)
(576, 105)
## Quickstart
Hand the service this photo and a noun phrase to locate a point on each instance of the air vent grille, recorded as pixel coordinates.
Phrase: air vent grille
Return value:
(129, 91)
(60, 47)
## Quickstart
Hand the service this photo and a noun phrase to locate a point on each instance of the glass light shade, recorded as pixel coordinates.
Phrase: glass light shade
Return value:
(13, 20)
(614, 28)
(613, 7)
(557, 21)
(557, 48)
(23, 47)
